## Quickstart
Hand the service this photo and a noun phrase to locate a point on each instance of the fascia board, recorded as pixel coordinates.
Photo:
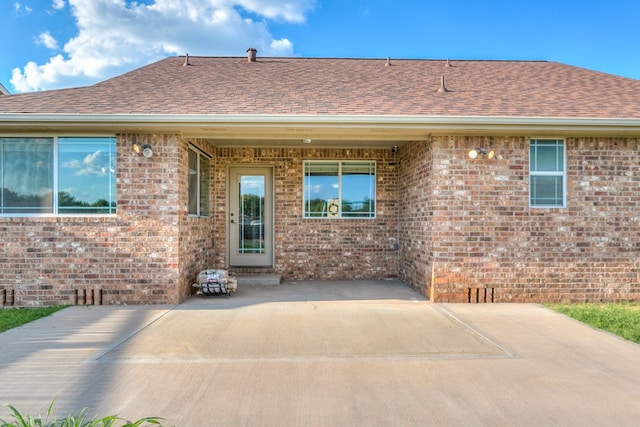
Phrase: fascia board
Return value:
(294, 124)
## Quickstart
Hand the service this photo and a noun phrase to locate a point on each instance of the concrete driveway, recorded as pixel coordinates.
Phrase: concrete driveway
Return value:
(369, 353)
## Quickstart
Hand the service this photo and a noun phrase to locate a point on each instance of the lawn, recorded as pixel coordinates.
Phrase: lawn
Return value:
(14, 317)
(622, 319)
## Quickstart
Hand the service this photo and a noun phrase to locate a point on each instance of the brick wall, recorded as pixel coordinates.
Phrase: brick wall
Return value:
(318, 248)
(463, 228)
(485, 236)
(415, 214)
(194, 234)
(148, 204)
(148, 253)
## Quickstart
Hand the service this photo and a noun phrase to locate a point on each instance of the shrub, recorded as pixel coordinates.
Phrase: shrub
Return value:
(77, 420)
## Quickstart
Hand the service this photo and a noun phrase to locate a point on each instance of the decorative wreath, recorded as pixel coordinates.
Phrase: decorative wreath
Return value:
(332, 207)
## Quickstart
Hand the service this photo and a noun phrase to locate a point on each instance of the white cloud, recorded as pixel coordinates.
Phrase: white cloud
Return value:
(58, 4)
(93, 164)
(20, 8)
(117, 35)
(281, 47)
(47, 40)
(290, 11)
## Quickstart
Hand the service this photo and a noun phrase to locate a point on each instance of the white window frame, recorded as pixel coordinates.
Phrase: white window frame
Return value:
(198, 213)
(339, 214)
(559, 173)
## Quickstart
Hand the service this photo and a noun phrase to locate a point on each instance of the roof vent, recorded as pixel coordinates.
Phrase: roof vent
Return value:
(251, 54)
(186, 61)
(388, 63)
(442, 88)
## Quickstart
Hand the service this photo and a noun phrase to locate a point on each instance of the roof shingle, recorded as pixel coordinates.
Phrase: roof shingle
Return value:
(324, 86)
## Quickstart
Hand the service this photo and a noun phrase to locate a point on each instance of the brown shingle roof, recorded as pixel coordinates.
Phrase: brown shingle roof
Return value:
(321, 86)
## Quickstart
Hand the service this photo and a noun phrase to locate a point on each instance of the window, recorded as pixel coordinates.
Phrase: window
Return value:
(57, 176)
(87, 175)
(547, 178)
(199, 177)
(339, 189)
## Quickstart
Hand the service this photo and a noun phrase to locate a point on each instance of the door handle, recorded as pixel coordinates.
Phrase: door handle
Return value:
(233, 221)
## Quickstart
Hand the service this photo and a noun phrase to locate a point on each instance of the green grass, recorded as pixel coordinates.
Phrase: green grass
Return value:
(622, 319)
(14, 317)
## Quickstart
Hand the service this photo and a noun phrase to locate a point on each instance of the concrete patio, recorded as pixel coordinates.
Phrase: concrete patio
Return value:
(323, 354)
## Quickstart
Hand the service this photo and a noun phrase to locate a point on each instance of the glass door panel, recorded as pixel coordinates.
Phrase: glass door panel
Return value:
(251, 191)
(250, 222)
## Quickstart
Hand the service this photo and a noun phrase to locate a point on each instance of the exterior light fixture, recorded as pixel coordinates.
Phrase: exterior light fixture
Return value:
(307, 140)
(478, 151)
(143, 149)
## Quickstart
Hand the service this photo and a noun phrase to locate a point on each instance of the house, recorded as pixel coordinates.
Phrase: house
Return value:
(471, 181)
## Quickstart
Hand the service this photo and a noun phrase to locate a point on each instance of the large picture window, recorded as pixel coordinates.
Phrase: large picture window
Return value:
(199, 183)
(58, 175)
(339, 189)
(547, 178)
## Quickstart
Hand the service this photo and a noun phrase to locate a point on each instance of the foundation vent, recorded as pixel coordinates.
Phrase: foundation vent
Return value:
(88, 296)
(7, 297)
(480, 295)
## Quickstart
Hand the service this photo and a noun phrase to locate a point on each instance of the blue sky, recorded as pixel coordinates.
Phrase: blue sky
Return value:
(49, 44)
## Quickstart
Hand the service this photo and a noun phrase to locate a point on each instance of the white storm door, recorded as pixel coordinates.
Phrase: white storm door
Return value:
(250, 217)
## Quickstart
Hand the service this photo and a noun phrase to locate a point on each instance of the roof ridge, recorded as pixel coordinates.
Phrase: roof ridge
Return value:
(371, 58)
